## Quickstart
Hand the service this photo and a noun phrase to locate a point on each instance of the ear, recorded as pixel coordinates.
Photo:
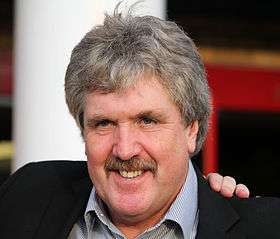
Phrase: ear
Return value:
(192, 131)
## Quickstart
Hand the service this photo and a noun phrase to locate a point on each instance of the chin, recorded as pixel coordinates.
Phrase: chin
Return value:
(130, 206)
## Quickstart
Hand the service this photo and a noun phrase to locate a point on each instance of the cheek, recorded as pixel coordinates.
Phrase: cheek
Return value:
(167, 150)
(171, 154)
(97, 149)
(97, 152)
(173, 144)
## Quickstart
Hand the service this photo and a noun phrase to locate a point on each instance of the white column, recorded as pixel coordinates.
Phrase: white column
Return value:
(45, 33)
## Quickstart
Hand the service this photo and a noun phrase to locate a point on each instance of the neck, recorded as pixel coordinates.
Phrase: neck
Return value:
(132, 227)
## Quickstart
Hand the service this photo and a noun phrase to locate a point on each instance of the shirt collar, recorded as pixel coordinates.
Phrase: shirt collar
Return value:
(95, 205)
(182, 211)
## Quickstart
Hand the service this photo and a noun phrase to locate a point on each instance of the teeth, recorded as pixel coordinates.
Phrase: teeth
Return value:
(131, 174)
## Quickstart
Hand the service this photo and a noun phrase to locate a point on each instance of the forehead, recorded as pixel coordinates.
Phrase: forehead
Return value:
(147, 94)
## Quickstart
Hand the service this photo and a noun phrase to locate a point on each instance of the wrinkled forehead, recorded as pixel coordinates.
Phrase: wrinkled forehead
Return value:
(120, 85)
(133, 85)
(119, 81)
(148, 97)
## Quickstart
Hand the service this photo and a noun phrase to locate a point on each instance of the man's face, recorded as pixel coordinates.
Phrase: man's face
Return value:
(137, 147)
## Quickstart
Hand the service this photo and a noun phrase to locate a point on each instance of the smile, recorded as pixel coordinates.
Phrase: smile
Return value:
(130, 174)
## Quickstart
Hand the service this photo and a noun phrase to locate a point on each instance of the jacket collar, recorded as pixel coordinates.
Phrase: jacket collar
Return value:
(65, 206)
(216, 215)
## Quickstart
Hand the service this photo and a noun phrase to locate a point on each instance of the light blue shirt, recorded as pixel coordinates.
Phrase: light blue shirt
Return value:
(180, 221)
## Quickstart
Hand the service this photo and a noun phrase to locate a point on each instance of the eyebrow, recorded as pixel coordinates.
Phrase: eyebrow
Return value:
(96, 118)
(155, 114)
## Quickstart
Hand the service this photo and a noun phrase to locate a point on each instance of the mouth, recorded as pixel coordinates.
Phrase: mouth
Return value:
(130, 181)
(130, 169)
(130, 174)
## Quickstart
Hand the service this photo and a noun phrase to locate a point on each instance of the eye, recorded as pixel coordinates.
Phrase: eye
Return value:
(147, 121)
(102, 123)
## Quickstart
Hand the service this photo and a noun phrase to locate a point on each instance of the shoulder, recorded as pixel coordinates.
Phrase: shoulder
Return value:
(40, 194)
(260, 207)
(258, 216)
(44, 175)
(250, 218)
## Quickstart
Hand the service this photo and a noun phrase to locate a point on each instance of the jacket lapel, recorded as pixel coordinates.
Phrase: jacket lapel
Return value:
(67, 203)
(64, 209)
(81, 191)
(216, 215)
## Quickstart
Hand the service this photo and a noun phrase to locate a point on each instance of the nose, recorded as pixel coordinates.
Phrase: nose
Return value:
(126, 144)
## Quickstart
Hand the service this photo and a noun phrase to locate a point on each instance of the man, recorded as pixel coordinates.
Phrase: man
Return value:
(137, 89)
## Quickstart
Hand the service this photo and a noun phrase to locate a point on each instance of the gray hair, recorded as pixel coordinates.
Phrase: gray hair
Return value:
(112, 56)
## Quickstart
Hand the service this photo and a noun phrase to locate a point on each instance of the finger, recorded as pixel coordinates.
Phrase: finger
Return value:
(228, 186)
(215, 181)
(242, 191)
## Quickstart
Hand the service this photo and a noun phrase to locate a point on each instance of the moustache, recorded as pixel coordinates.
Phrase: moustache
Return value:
(133, 164)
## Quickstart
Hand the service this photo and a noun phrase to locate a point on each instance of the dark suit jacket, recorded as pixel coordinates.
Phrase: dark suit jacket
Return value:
(44, 200)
